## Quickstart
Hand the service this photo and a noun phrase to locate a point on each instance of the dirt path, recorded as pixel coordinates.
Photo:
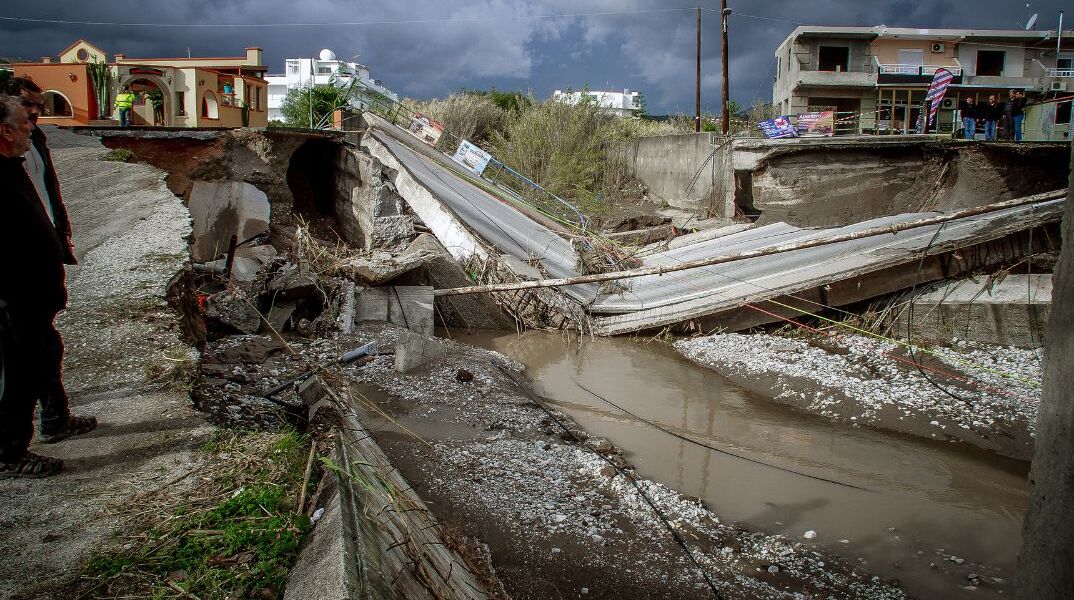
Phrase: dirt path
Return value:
(129, 231)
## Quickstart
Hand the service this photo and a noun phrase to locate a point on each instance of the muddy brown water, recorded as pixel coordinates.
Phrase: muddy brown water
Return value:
(922, 503)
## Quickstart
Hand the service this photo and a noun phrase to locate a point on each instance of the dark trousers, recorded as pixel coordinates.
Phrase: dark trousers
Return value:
(25, 340)
(54, 408)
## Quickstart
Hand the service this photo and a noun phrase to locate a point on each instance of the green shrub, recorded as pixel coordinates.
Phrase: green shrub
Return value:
(118, 155)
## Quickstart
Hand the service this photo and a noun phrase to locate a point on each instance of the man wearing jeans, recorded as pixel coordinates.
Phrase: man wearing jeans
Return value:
(968, 108)
(993, 112)
(124, 104)
(1018, 113)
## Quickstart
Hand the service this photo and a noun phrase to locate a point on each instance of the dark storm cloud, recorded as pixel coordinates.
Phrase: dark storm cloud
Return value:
(480, 43)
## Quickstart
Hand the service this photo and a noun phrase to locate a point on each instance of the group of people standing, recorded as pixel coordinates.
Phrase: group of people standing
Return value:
(992, 113)
(36, 243)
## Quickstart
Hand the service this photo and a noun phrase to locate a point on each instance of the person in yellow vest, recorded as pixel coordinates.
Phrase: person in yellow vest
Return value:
(124, 103)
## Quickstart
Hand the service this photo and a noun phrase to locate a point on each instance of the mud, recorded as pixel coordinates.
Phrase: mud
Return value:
(931, 514)
(558, 517)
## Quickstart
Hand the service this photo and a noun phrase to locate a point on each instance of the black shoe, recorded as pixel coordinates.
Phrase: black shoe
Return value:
(31, 466)
(74, 426)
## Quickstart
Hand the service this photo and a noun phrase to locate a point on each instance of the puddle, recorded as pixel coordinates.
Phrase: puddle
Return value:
(935, 496)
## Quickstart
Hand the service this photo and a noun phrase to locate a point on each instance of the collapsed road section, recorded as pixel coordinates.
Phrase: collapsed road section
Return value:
(306, 247)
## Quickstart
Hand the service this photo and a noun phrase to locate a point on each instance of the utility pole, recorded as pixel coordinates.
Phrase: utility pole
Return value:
(724, 13)
(697, 81)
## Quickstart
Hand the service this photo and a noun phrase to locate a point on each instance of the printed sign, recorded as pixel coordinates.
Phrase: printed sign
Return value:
(816, 124)
(473, 158)
(426, 129)
(779, 127)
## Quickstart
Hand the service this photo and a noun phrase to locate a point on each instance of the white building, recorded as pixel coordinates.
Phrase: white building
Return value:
(324, 70)
(621, 104)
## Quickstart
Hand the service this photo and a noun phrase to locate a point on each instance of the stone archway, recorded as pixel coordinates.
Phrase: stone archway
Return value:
(146, 83)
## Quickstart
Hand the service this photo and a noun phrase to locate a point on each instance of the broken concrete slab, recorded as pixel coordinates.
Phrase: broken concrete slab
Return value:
(280, 314)
(1009, 312)
(232, 309)
(414, 349)
(221, 209)
(292, 282)
(409, 306)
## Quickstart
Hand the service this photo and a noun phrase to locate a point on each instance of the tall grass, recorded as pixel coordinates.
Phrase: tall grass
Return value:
(465, 116)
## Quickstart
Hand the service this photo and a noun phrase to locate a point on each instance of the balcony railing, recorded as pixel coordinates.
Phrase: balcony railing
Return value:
(1060, 72)
(917, 70)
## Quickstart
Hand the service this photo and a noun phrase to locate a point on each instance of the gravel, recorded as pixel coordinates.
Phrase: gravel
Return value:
(868, 381)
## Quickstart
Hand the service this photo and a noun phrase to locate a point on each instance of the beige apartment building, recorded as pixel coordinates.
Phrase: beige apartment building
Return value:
(877, 77)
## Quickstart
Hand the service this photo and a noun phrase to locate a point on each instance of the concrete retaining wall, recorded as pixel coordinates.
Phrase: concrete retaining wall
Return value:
(668, 164)
(824, 182)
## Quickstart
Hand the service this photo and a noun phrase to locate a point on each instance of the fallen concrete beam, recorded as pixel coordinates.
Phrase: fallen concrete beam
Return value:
(1009, 312)
(413, 350)
(376, 538)
(816, 241)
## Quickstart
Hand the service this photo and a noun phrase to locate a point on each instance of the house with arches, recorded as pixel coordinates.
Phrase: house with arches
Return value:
(172, 92)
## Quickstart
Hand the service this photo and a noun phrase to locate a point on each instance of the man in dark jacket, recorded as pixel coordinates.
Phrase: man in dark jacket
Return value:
(1018, 113)
(57, 423)
(993, 112)
(32, 291)
(968, 108)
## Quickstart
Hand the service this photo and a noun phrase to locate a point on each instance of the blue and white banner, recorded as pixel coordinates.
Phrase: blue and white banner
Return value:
(473, 158)
(779, 127)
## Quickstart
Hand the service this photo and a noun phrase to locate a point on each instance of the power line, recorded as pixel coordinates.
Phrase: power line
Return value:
(348, 23)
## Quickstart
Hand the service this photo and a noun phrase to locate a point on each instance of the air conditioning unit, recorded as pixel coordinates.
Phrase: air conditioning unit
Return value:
(948, 103)
(937, 47)
(1059, 86)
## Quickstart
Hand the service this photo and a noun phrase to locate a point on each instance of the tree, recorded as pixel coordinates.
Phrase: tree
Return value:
(326, 100)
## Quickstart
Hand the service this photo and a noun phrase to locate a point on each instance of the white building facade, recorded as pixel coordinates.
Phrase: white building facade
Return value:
(620, 104)
(324, 70)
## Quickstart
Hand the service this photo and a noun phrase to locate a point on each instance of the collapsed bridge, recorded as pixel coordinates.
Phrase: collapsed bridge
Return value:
(492, 260)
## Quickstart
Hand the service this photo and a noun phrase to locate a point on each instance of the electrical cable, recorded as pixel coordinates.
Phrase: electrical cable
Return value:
(910, 320)
(710, 447)
(629, 477)
(436, 21)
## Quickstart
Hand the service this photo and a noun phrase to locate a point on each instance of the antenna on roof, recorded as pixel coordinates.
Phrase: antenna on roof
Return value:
(1031, 22)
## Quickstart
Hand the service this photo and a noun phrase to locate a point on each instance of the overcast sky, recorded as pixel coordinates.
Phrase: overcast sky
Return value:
(428, 48)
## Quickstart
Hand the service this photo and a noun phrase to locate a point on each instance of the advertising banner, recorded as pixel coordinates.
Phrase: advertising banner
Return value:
(816, 124)
(426, 129)
(473, 158)
(779, 127)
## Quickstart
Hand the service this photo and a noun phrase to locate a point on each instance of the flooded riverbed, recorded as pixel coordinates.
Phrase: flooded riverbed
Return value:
(923, 504)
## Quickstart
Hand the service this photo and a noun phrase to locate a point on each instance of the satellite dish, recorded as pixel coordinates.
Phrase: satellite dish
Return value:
(1031, 22)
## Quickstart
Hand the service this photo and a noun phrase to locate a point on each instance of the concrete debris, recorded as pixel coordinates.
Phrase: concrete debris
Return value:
(1008, 311)
(293, 282)
(231, 308)
(221, 209)
(279, 315)
(406, 306)
(413, 350)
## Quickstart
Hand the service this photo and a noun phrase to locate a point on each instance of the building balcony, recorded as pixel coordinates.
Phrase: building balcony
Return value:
(1060, 73)
(894, 73)
(835, 79)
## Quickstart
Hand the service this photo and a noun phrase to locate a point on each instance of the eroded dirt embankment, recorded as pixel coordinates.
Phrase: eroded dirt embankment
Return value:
(833, 184)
